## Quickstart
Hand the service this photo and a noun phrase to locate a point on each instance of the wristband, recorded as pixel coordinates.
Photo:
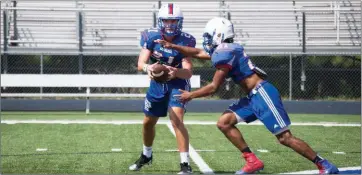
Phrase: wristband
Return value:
(145, 67)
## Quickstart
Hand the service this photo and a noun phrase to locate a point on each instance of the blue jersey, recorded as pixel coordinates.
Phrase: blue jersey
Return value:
(263, 102)
(163, 55)
(161, 96)
(233, 57)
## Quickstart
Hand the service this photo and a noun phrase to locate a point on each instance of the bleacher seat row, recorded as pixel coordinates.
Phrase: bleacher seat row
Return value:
(115, 26)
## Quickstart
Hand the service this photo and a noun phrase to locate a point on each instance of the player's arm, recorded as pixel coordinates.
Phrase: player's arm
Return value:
(219, 77)
(185, 50)
(184, 73)
(142, 65)
(192, 52)
(143, 58)
(223, 60)
(147, 45)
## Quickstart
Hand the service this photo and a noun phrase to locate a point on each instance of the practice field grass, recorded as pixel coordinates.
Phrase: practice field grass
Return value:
(87, 148)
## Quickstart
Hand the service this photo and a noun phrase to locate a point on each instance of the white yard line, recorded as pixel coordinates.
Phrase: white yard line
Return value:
(116, 149)
(197, 150)
(41, 149)
(204, 168)
(127, 122)
(338, 152)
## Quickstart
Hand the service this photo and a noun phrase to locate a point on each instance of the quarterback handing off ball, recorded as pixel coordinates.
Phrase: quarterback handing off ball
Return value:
(160, 73)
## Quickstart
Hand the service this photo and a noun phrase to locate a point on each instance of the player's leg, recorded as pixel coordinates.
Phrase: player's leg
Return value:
(226, 125)
(182, 137)
(176, 112)
(298, 145)
(148, 134)
(153, 109)
(287, 139)
(240, 112)
(272, 113)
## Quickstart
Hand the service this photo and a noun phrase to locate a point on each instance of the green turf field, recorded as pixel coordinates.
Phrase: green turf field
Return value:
(87, 148)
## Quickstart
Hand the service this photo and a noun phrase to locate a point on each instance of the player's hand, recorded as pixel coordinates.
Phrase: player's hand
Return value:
(172, 72)
(164, 43)
(150, 69)
(184, 97)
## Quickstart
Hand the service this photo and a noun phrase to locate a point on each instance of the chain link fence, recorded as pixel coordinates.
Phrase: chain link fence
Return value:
(327, 77)
(318, 76)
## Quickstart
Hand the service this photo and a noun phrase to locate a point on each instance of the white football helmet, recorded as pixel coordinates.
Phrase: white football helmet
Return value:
(216, 31)
(170, 11)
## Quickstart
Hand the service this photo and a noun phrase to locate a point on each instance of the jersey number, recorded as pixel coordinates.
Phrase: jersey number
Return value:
(170, 60)
(186, 35)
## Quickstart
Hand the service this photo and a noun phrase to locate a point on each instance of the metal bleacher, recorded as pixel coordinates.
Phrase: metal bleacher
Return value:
(339, 29)
(39, 28)
(114, 26)
(111, 30)
(265, 27)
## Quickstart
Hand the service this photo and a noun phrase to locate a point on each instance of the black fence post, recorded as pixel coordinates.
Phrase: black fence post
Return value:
(303, 77)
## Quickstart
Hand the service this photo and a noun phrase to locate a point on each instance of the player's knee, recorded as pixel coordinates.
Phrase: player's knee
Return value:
(177, 123)
(285, 138)
(149, 122)
(223, 125)
(284, 141)
(148, 126)
(226, 122)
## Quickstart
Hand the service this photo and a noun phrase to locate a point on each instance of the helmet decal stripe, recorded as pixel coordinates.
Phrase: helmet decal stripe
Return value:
(170, 9)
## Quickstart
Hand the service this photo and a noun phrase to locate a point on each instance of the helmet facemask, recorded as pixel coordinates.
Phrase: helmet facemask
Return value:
(216, 31)
(209, 42)
(168, 27)
(170, 19)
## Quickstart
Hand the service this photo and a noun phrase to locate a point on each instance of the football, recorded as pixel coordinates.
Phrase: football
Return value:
(160, 73)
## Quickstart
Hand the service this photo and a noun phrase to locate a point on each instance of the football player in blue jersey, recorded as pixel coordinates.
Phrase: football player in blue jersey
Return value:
(160, 97)
(262, 102)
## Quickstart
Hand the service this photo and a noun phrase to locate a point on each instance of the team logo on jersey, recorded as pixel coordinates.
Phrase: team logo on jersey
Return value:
(156, 54)
(166, 50)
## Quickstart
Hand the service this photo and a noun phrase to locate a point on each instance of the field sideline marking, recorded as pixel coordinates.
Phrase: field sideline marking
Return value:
(125, 122)
(204, 168)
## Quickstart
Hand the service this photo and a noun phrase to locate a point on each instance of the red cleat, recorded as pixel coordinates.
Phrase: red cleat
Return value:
(253, 164)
